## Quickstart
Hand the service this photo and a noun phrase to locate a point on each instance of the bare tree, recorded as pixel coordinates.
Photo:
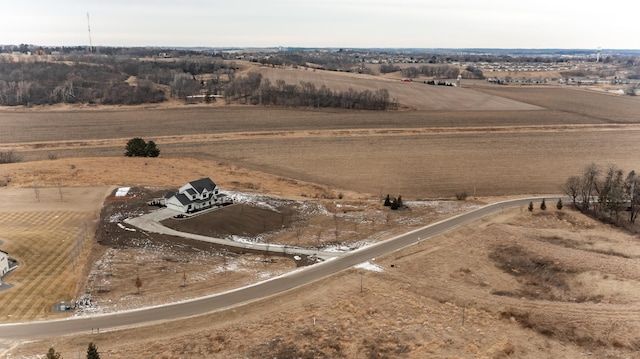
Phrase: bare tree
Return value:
(572, 188)
(632, 194)
(589, 178)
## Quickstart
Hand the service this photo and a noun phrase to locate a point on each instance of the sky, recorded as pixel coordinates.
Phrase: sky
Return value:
(584, 24)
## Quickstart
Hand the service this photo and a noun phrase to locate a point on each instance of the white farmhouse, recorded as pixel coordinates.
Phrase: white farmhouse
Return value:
(194, 196)
(4, 264)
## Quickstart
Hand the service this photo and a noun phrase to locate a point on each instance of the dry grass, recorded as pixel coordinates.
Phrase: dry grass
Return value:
(415, 95)
(52, 249)
(416, 308)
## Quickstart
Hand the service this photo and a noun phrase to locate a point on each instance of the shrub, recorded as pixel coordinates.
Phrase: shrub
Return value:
(9, 156)
(530, 206)
(387, 201)
(461, 196)
(137, 147)
(559, 204)
(543, 205)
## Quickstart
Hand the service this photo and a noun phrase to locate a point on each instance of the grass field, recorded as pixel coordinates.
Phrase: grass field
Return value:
(51, 240)
(413, 95)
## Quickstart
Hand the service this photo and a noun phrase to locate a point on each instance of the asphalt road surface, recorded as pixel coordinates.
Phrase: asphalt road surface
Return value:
(145, 316)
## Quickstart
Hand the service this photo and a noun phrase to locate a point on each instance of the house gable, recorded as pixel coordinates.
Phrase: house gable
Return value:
(195, 195)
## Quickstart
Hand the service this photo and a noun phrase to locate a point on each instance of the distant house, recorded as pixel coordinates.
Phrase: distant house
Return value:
(195, 196)
(4, 264)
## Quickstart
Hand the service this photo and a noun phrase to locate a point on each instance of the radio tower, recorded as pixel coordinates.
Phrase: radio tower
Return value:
(89, 28)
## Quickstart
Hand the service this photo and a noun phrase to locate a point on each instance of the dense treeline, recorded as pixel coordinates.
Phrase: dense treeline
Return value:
(606, 193)
(49, 83)
(252, 89)
(102, 80)
(127, 81)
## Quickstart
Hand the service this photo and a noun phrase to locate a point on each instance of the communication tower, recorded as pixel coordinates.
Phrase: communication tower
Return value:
(89, 28)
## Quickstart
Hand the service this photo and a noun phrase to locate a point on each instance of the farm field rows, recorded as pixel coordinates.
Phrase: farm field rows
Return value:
(519, 283)
(427, 165)
(607, 107)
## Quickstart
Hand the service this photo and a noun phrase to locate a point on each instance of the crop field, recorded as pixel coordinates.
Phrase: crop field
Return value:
(604, 107)
(523, 284)
(418, 153)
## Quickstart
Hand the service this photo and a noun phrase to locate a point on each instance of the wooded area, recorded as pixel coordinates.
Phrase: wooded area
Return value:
(607, 194)
(113, 81)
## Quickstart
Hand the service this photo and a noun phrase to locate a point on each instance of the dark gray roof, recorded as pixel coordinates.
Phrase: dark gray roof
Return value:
(183, 198)
(203, 183)
(191, 191)
(169, 195)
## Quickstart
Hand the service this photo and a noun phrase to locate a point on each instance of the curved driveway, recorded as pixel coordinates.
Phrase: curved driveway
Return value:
(32, 330)
(150, 222)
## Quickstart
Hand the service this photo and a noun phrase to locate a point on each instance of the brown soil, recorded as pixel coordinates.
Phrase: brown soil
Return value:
(520, 284)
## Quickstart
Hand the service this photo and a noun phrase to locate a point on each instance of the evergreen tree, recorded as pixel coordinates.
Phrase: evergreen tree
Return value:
(151, 150)
(394, 204)
(92, 352)
(543, 205)
(400, 201)
(387, 201)
(136, 147)
(559, 204)
(52, 354)
(530, 206)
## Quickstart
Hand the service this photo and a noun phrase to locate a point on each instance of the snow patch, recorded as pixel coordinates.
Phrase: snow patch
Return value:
(122, 191)
(370, 267)
(126, 228)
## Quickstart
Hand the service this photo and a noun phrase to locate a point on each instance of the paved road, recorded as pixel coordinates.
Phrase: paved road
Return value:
(33, 330)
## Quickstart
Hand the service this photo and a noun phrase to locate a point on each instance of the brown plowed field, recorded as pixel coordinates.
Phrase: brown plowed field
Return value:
(605, 107)
(517, 284)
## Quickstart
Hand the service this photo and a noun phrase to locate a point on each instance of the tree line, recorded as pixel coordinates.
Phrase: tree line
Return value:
(252, 89)
(43, 83)
(104, 81)
(607, 193)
